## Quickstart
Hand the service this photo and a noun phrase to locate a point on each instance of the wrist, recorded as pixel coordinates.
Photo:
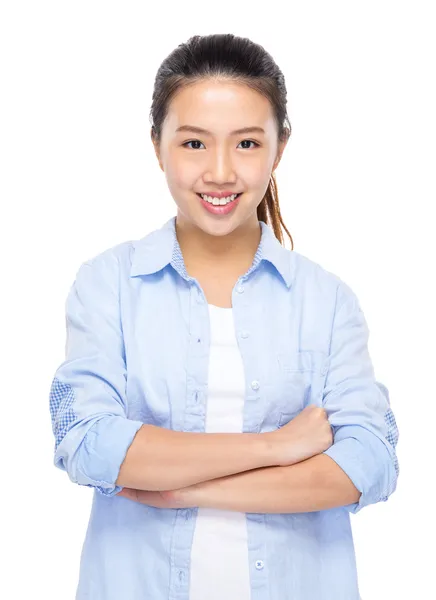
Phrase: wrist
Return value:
(268, 449)
(192, 496)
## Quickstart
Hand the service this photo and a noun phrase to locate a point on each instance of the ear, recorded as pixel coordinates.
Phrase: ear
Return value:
(280, 150)
(156, 149)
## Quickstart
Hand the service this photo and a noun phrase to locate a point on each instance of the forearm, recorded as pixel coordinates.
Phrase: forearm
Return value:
(162, 459)
(317, 483)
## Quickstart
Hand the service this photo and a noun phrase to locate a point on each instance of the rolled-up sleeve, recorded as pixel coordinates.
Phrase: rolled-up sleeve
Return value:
(358, 407)
(88, 403)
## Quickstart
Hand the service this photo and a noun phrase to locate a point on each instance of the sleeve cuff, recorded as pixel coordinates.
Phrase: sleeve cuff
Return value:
(103, 451)
(367, 461)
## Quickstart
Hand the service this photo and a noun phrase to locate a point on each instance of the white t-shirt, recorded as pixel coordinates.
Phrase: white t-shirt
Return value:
(219, 557)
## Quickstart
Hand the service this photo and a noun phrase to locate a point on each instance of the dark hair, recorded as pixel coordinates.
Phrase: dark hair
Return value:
(229, 57)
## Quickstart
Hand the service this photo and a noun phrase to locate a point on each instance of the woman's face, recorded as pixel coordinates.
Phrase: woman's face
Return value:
(217, 159)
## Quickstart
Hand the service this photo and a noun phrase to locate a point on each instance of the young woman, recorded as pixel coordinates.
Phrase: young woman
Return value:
(217, 392)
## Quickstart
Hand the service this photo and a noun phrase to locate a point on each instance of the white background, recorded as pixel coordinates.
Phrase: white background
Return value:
(357, 191)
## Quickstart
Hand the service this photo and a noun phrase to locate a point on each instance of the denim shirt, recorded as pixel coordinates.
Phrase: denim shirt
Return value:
(137, 351)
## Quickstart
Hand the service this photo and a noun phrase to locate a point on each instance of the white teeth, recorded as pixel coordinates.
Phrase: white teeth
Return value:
(218, 201)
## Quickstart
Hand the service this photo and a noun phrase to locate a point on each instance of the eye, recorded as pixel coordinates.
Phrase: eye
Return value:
(198, 142)
(250, 142)
(192, 142)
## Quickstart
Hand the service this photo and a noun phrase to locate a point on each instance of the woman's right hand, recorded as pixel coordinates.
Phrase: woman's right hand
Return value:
(307, 434)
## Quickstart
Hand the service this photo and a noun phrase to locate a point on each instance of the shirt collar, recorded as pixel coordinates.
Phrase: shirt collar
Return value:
(160, 247)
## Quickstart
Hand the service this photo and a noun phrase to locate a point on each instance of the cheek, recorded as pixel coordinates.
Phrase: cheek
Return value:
(254, 172)
(182, 174)
(181, 189)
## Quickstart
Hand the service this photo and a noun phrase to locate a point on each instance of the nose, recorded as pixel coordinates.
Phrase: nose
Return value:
(220, 168)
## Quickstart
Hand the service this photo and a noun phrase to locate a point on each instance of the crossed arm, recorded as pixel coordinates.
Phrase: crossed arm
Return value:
(317, 483)
(199, 464)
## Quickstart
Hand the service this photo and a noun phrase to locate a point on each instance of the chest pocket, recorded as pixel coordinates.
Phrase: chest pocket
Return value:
(298, 381)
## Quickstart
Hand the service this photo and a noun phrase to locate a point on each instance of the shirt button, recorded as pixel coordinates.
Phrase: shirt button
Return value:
(255, 385)
(244, 334)
(240, 289)
(259, 564)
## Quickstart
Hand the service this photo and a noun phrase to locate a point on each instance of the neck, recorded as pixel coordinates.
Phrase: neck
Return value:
(233, 252)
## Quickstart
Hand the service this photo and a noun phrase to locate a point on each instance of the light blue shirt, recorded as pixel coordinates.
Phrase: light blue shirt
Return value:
(137, 352)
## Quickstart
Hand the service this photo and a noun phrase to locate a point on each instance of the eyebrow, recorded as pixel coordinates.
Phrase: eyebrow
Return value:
(204, 131)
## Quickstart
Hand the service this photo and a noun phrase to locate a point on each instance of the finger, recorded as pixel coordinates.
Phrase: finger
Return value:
(128, 493)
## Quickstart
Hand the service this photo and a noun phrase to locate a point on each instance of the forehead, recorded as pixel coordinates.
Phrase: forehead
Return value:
(219, 106)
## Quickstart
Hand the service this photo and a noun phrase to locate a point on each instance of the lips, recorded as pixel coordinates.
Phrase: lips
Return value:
(220, 209)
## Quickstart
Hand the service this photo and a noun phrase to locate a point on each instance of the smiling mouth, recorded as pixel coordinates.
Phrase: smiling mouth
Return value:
(217, 201)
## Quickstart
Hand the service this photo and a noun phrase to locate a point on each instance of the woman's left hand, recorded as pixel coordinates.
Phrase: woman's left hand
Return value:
(159, 499)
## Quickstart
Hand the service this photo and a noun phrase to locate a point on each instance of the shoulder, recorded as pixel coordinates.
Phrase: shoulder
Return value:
(313, 278)
(114, 259)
